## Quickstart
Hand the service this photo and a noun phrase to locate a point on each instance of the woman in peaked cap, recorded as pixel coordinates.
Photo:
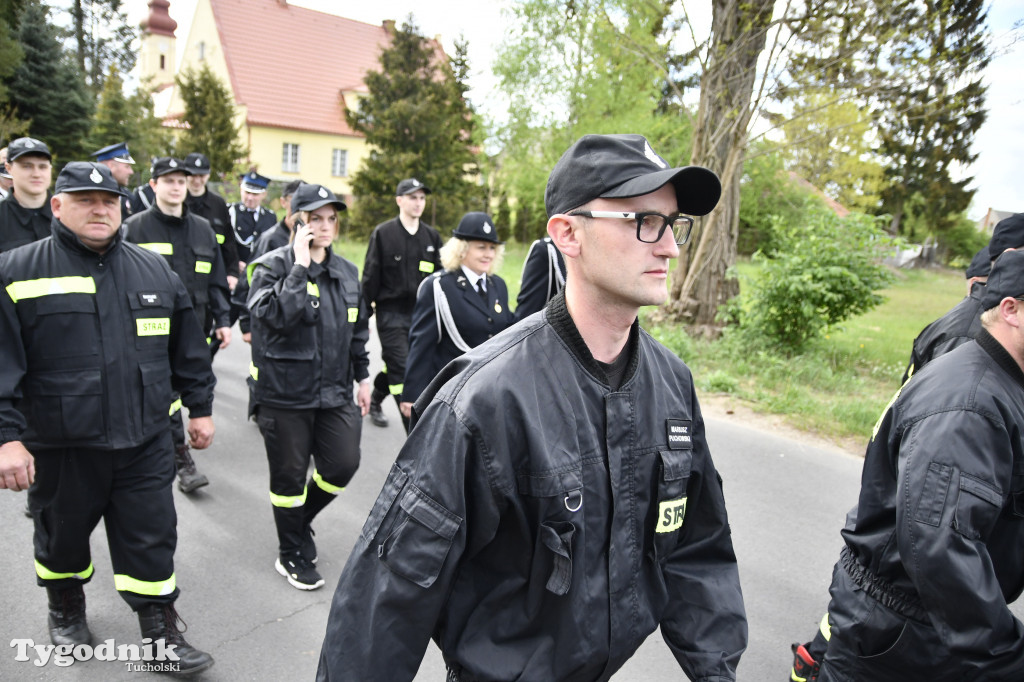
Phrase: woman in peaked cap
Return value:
(458, 308)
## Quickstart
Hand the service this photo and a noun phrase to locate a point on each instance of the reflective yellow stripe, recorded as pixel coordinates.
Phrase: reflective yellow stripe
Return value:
(878, 424)
(796, 678)
(175, 406)
(353, 315)
(203, 267)
(46, 574)
(324, 485)
(426, 266)
(254, 371)
(312, 289)
(249, 269)
(384, 368)
(288, 501)
(153, 326)
(396, 389)
(826, 629)
(670, 515)
(220, 239)
(48, 286)
(163, 248)
(124, 583)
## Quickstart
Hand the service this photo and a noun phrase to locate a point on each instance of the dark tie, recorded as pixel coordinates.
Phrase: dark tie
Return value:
(480, 290)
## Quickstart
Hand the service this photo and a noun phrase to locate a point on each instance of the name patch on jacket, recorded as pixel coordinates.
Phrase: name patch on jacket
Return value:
(670, 515)
(148, 300)
(679, 434)
(153, 326)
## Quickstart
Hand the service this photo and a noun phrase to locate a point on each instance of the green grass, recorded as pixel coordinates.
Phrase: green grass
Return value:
(839, 386)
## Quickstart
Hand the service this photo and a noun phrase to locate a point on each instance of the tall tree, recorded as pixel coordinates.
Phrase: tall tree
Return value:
(129, 119)
(102, 38)
(417, 123)
(210, 115)
(47, 89)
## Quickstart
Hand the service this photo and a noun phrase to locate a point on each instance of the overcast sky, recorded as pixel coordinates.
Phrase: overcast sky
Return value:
(1000, 143)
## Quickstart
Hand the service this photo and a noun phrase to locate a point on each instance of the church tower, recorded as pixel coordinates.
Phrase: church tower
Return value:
(157, 53)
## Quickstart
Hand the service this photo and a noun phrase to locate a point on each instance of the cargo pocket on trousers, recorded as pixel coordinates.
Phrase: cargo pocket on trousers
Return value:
(557, 537)
(421, 538)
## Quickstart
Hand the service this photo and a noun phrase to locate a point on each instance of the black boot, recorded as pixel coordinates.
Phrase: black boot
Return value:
(188, 478)
(160, 621)
(67, 616)
(376, 414)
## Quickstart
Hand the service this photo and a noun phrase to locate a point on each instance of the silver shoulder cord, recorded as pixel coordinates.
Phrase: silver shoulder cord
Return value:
(443, 314)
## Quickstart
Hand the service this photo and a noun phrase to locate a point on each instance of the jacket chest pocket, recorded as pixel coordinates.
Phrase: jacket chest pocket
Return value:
(151, 320)
(288, 373)
(555, 500)
(64, 326)
(670, 504)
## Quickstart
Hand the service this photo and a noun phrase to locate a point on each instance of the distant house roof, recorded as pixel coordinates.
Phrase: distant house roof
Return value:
(992, 216)
(289, 65)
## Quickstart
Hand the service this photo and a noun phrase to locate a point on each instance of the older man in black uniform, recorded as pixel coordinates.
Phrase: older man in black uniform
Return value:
(25, 215)
(95, 334)
(402, 252)
(190, 246)
(556, 502)
(117, 158)
(934, 549)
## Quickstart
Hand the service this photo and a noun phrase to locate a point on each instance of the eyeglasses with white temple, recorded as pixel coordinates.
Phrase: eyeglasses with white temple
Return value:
(650, 226)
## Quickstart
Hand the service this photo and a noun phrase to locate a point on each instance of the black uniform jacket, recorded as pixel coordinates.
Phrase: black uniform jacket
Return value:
(961, 324)
(20, 225)
(396, 262)
(543, 277)
(247, 226)
(430, 345)
(273, 238)
(308, 331)
(94, 345)
(212, 206)
(539, 525)
(190, 247)
(142, 198)
(940, 520)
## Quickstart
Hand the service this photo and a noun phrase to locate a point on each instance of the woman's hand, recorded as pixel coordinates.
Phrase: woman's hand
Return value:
(303, 236)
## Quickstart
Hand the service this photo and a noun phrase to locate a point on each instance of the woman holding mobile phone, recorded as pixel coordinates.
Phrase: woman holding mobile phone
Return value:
(308, 349)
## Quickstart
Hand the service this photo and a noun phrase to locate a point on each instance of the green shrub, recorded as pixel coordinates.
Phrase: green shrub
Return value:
(824, 270)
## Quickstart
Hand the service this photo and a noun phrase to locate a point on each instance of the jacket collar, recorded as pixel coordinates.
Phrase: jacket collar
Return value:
(170, 219)
(1001, 356)
(24, 215)
(561, 321)
(68, 240)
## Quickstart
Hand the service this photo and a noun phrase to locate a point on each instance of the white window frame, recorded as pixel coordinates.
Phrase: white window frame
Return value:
(291, 157)
(339, 170)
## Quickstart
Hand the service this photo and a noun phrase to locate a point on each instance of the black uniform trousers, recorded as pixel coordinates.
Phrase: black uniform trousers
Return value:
(393, 330)
(331, 436)
(131, 491)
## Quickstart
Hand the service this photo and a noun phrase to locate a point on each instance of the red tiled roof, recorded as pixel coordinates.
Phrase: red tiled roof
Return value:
(289, 65)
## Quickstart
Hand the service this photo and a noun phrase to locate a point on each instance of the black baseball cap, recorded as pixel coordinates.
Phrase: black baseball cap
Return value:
(622, 166)
(197, 164)
(27, 145)
(478, 227)
(166, 165)
(410, 185)
(311, 197)
(1006, 279)
(1008, 234)
(86, 176)
(980, 264)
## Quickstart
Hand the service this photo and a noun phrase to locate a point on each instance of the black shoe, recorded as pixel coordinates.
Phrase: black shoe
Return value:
(805, 668)
(376, 414)
(188, 478)
(160, 621)
(67, 616)
(308, 548)
(299, 572)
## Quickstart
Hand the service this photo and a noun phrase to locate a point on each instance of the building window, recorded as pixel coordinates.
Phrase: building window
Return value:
(163, 62)
(339, 163)
(202, 50)
(290, 158)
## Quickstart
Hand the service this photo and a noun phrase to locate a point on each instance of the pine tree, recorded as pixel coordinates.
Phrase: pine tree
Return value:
(47, 88)
(210, 114)
(129, 119)
(102, 38)
(417, 123)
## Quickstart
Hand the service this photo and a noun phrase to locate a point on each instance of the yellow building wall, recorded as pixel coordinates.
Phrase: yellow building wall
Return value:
(266, 151)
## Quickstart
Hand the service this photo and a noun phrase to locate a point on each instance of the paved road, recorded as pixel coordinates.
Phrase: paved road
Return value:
(787, 501)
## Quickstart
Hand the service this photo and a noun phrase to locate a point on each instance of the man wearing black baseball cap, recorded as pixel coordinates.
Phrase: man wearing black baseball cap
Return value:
(931, 556)
(93, 333)
(25, 214)
(402, 253)
(555, 502)
(204, 202)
